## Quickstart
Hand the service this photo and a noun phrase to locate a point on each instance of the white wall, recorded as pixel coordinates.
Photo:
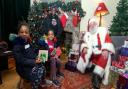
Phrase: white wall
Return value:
(90, 6)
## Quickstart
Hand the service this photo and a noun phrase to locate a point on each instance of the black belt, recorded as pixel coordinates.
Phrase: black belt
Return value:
(97, 46)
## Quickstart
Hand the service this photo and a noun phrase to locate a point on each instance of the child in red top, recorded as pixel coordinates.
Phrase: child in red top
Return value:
(51, 46)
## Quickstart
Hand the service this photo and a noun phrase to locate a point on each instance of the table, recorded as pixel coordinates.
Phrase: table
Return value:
(5, 54)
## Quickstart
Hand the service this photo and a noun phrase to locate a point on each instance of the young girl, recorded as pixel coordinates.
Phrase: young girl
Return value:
(28, 66)
(53, 57)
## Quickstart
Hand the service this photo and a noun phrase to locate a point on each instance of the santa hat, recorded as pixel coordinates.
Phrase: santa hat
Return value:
(83, 45)
(93, 19)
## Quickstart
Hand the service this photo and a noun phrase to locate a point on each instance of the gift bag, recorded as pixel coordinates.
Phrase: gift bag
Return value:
(81, 65)
(71, 66)
(122, 83)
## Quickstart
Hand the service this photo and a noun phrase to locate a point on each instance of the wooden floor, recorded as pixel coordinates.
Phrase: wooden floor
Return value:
(10, 79)
(72, 80)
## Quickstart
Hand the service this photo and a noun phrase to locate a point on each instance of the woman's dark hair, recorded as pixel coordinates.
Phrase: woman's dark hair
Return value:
(22, 24)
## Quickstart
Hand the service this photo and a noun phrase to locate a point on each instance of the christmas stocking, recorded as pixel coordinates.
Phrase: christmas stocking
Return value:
(75, 20)
(63, 19)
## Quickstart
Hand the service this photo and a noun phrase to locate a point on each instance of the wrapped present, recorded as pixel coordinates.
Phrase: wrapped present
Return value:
(118, 64)
(72, 60)
(71, 66)
(123, 58)
(122, 83)
(125, 43)
(58, 51)
(124, 51)
(73, 55)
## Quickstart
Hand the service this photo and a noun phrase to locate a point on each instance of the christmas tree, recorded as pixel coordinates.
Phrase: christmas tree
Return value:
(40, 15)
(35, 20)
(120, 20)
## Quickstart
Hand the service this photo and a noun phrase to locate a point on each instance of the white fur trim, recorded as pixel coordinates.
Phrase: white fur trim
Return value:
(93, 19)
(88, 41)
(66, 15)
(107, 71)
(98, 70)
(109, 47)
(81, 65)
(102, 33)
(87, 37)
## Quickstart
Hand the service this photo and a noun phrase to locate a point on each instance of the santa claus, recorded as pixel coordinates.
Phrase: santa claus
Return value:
(102, 48)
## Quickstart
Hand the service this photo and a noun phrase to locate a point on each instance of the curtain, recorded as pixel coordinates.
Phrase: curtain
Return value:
(22, 8)
(12, 12)
(1, 17)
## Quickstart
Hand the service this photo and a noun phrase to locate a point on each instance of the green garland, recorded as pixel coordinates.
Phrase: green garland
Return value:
(67, 7)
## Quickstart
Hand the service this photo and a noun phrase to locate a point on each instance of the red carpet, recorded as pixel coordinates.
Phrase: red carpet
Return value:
(74, 80)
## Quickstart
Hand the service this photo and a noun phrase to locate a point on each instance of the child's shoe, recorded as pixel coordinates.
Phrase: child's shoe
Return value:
(48, 82)
(56, 83)
(60, 74)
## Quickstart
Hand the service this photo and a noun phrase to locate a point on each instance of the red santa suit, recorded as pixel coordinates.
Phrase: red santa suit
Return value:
(100, 41)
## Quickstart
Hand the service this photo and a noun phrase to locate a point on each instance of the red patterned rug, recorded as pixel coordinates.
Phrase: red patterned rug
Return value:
(75, 80)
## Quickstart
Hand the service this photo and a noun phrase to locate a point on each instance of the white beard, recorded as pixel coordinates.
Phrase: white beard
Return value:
(93, 30)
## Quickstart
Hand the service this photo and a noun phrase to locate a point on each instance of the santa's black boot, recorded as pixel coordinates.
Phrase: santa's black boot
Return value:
(96, 81)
